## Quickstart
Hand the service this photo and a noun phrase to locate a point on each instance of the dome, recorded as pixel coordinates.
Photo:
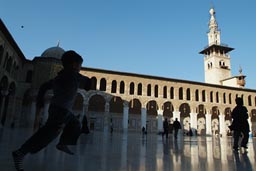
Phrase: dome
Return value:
(54, 52)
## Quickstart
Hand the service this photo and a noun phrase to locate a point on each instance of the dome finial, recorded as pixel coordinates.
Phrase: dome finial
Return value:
(58, 44)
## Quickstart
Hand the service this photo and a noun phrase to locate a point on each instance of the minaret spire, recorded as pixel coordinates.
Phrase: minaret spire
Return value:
(214, 33)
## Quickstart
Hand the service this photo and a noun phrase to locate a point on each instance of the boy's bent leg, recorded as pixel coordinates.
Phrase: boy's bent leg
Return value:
(70, 135)
(245, 139)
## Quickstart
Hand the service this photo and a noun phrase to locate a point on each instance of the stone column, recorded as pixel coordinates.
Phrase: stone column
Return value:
(106, 118)
(176, 114)
(160, 121)
(193, 122)
(143, 117)
(222, 125)
(125, 118)
(208, 124)
(250, 126)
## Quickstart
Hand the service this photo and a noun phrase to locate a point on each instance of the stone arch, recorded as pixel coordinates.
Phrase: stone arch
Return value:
(152, 108)
(96, 110)
(116, 105)
(168, 110)
(78, 104)
(134, 121)
(228, 120)
(97, 103)
(185, 116)
(135, 106)
(215, 120)
(201, 121)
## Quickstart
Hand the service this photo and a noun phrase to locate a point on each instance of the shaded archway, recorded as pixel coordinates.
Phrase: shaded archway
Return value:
(134, 123)
(96, 111)
(215, 120)
(152, 108)
(185, 117)
(116, 112)
(201, 121)
(168, 110)
(228, 120)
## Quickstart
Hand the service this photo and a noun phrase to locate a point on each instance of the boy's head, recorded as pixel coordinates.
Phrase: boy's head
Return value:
(239, 101)
(71, 60)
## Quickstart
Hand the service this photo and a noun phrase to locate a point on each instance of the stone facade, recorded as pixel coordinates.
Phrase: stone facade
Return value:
(130, 101)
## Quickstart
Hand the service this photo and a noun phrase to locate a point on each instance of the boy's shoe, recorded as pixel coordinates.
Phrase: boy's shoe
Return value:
(18, 160)
(64, 148)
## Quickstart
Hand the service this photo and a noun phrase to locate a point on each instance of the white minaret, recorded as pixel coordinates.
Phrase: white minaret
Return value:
(216, 55)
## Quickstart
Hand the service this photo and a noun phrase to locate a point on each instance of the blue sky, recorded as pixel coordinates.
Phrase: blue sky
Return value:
(152, 37)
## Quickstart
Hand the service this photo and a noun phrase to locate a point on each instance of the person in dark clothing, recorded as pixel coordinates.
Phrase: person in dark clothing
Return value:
(166, 128)
(240, 124)
(176, 127)
(60, 118)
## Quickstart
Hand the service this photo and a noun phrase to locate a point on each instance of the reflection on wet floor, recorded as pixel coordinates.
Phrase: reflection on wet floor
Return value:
(131, 152)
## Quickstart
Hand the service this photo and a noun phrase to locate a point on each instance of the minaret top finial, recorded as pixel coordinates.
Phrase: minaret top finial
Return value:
(240, 70)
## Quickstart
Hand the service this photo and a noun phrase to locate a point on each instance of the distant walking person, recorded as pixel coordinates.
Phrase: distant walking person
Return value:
(240, 124)
(60, 118)
(166, 128)
(176, 127)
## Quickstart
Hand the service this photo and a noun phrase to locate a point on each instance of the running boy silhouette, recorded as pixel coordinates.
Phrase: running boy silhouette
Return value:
(60, 118)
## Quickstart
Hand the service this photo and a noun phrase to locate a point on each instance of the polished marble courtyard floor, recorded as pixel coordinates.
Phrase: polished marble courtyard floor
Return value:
(131, 152)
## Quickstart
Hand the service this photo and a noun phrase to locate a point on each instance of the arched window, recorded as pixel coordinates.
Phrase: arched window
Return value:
(9, 65)
(156, 90)
(180, 93)
(197, 95)
(113, 86)
(203, 96)
(211, 96)
(149, 90)
(172, 93)
(131, 88)
(224, 98)
(140, 89)
(93, 83)
(122, 87)
(188, 94)
(103, 84)
(249, 101)
(165, 92)
(217, 97)
(230, 98)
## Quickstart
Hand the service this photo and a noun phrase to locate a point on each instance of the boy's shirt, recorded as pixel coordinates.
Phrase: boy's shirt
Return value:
(64, 86)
